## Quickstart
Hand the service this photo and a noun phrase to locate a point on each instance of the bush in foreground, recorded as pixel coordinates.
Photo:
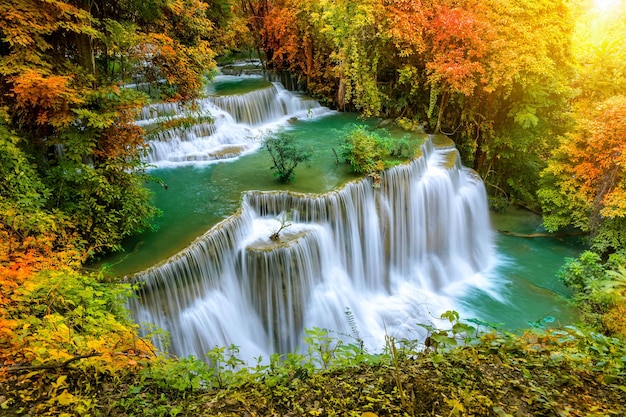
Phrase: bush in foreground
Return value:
(551, 372)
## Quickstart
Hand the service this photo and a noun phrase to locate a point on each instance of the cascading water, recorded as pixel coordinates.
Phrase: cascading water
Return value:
(236, 123)
(389, 257)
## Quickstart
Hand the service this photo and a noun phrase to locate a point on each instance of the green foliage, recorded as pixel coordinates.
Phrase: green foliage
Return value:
(610, 235)
(285, 222)
(494, 75)
(105, 205)
(62, 67)
(583, 184)
(599, 289)
(467, 373)
(579, 274)
(180, 376)
(23, 195)
(364, 150)
(446, 339)
(20, 182)
(489, 374)
(286, 155)
(371, 151)
(61, 334)
(225, 364)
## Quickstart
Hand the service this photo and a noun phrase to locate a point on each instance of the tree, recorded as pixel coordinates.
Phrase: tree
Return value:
(457, 40)
(26, 227)
(599, 48)
(367, 152)
(494, 75)
(61, 67)
(286, 155)
(370, 152)
(584, 184)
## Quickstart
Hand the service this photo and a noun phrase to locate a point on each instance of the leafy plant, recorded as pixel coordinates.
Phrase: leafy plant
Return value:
(372, 151)
(285, 222)
(580, 273)
(599, 289)
(62, 333)
(225, 364)
(366, 151)
(286, 155)
(446, 339)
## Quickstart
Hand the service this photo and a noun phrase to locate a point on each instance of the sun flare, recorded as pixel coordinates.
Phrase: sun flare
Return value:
(606, 4)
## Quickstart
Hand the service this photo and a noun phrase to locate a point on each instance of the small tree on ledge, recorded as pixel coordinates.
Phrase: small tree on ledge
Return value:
(284, 223)
(286, 154)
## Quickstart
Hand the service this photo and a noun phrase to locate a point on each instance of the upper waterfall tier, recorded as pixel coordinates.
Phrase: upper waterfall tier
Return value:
(389, 257)
(236, 123)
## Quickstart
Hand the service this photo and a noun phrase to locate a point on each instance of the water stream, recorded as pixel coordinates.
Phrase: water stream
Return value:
(379, 260)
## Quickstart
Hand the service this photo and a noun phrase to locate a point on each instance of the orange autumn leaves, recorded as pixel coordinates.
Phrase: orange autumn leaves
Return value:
(589, 169)
(459, 42)
(600, 150)
(45, 99)
(69, 123)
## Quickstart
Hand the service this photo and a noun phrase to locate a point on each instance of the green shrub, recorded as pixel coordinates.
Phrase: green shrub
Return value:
(286, 155)
(370, 152)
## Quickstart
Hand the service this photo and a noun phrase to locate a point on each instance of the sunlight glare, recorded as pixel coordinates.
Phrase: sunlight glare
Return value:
(606, 4)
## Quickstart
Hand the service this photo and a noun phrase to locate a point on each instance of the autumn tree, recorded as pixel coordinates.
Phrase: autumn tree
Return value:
(295, 40)
(584, 184)
(494, 75)
(506, 125)
(63, 65)
(599, 46)
(457, 41)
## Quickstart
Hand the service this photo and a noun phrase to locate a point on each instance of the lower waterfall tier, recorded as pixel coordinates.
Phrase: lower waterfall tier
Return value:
(378, 259)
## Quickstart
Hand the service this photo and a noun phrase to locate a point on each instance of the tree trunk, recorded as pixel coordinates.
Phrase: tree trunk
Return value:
(84, 44)
(86, 57)
(442, 108)
(308, 53)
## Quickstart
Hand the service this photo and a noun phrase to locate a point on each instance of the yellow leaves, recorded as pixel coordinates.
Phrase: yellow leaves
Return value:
(614, 203)
(68, 320)
(96, 345)
(59, 383)
(588, 170)
(65, 398)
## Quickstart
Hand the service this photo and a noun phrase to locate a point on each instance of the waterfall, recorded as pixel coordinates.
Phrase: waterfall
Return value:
(236, 123)
(392, 255)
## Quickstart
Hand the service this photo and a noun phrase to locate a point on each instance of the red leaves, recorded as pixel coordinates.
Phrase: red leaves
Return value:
(457, 40)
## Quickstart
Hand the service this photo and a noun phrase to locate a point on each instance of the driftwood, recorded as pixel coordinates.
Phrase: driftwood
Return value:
(541, 234)
(64, 364)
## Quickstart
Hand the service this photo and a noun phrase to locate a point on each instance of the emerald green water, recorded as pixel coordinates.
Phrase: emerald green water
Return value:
(238, 85)
(526, 278)
(199, 196)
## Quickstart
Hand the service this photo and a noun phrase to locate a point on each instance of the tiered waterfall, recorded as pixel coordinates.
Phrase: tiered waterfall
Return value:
(375, 258)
